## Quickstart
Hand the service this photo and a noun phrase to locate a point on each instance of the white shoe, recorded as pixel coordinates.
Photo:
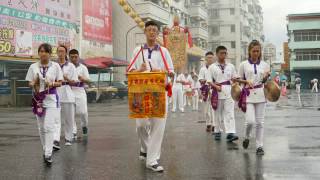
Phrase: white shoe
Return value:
(155, 168)
(173, 111)
(68, 143)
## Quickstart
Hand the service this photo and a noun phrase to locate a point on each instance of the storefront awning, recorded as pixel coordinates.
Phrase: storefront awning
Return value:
(104, 62)
(27, 60)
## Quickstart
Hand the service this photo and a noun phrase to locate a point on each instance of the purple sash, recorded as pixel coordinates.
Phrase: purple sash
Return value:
(37, 101)
(78, 84)
(242, 104)
(205, 92)
(215, 96)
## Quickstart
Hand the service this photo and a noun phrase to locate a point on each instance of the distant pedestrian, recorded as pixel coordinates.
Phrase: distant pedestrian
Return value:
(315, 85)
(298, 84)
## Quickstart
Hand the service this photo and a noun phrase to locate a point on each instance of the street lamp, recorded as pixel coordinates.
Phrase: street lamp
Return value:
(127, 39)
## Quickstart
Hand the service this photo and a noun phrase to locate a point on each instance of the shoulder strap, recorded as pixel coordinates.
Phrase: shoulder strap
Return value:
(164, 60)
(134, 60)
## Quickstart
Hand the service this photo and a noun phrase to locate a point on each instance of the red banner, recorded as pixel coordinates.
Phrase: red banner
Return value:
(97, 20)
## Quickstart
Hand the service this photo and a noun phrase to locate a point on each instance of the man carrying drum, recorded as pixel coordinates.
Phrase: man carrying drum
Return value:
(151, 57)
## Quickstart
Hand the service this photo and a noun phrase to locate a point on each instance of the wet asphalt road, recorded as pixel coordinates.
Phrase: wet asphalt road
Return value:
(292, 146)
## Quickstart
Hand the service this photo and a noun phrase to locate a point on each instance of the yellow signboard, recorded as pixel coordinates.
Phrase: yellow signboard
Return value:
(176, 44)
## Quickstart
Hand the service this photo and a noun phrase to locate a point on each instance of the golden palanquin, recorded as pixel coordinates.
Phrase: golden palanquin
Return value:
(147, 95)
(176, 43)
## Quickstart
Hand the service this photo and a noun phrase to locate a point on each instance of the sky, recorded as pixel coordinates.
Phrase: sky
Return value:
(275, 12)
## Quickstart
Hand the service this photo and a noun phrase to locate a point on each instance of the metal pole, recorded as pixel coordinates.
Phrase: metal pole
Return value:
(127, 40)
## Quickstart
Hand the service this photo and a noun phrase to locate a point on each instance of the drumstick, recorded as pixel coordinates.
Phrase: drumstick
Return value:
(144, 61)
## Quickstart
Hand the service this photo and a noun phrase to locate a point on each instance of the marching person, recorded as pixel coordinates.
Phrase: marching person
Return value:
(44, 77)
(187, 89)
(66, 97)
(205, 92)
(314, 85)
(151, 130)
(298, 84)
(254, 73)
(177, 92)
(80, 93)
(195, 93)
(219, 77)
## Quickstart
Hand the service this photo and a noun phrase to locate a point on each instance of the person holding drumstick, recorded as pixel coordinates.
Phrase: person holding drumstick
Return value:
(151, 57)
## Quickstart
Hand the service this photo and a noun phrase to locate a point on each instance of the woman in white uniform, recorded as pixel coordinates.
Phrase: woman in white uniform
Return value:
(254, 72)
(44, 76)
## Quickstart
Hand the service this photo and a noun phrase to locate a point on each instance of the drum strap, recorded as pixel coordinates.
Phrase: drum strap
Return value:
(134, 60)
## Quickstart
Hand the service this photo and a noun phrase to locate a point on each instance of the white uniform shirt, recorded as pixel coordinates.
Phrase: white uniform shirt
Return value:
(179, 77)
(196, 87)
(229, 72)
(82, 70)
(52, 74)
(66, 95)
(203, 74)
(153, 58)
(247, 71)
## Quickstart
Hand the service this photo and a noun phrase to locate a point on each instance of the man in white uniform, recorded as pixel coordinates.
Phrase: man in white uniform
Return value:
(223, 72)
(177, 91)
(203, 76)
(44, 76)
(195, 93)
(298, 84)
(151, 130)
(315, 85)
(80, 93)
(67, 99)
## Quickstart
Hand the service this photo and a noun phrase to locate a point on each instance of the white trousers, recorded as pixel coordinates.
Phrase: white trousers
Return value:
(195, 102)
(315, 87)
(298, 87)
(150, 133)
(209, 113)
(46, 126)
(177, 97)
(81, 109)
(224, 116)
(255, 115)
(67, 117)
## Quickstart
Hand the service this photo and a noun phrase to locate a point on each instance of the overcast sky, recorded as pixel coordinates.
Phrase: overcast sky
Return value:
(275, 12)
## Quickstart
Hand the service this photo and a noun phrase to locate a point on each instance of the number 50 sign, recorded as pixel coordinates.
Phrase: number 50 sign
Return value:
(6, 47)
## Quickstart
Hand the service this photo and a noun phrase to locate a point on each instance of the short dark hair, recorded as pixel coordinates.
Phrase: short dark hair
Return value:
(209, 53)
(73, 51)
(219, 48)
(63, 46)
(152, 23)
(47, 48)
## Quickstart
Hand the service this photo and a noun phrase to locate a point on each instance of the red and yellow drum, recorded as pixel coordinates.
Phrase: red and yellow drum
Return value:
(147, 95)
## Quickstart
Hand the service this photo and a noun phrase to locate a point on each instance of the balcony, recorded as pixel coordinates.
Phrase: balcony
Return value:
(199, 32)
(152, 11)
(304, 45)
(198, 11)
(309, 64)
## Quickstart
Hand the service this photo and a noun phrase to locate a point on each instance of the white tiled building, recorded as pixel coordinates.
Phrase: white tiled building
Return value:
(234, 23)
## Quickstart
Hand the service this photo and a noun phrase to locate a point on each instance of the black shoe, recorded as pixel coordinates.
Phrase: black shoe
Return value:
(208, 129)
(48, 160)
(217, 136)
(75, 137)
(212, 129)
(56, 146)
(85, 131)
(245, 143)
(260, 151)
(143, 156)
(156, 168)
(231, 137)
